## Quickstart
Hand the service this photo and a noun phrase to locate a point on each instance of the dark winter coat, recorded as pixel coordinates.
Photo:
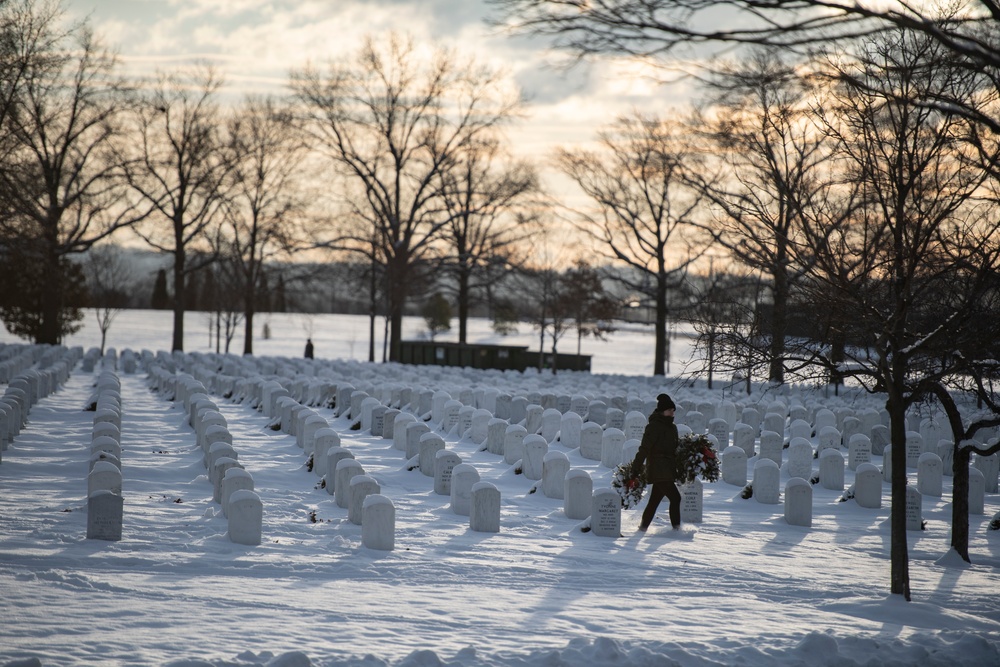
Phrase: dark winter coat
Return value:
(658, 449)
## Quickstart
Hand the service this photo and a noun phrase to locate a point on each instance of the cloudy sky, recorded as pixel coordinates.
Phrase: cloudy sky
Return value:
(256, 42)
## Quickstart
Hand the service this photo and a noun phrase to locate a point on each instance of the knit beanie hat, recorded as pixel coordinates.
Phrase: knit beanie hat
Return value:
(664, 402)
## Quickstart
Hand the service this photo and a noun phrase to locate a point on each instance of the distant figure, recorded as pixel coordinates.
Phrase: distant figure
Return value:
(309, 348)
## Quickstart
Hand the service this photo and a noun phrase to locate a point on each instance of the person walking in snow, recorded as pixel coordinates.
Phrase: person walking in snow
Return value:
(658, 451)
(309, 348)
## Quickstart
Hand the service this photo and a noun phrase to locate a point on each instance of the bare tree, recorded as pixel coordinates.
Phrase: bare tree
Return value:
(776, 172)
(60, 181)
(179, 169)
(265, 202)
(394, 125)
(109, 279)
(888, 272)
(487, 199)
(645, 215)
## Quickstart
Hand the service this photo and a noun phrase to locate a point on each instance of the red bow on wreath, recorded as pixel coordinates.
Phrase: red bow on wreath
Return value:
(632, 483)
(707, 454)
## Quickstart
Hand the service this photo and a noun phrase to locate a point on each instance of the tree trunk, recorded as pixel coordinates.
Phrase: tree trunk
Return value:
(960, 502)
(899, 558)
(52, 298)
(463, 306)
(660, 330)
(248, 332)
(179, 294)
(779, 325)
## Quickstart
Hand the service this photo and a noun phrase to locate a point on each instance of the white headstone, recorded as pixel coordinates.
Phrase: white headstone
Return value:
(744, 437)
(496, 434)
(831, 469)
(430, 444)
(859, 450)
(104, 516)
(946, 450)
(800, 458)
(772, 446)
(378, 523)
(570, 429)
(551, 420)
(414, 431)
(611, 448)
(480, 430)
(990, 467)
(914, 508)
(868, 486)
(914, 448)
(766, 482)
(734, 466)
(774, 422)
(606, 513)
(484, 515)
(828, 438)
(235, 479)
(880, 439)
(513, 444)
(361, 487)
(535, 449)
(334, 455)
(800, 428)
(798, 500)
(591, 441)
(930, 474)
(614, 418)
(719, 428)
(444, 462)
(977, 492)
(246, 516)
(696, 421)
(399, 430)
(579, 487)
(555, 465)
(692, 501)
(463, 478)
(347, 468)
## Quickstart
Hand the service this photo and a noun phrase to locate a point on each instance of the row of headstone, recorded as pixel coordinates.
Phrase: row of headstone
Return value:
(105, 502)
(41, 370)
(232, 484)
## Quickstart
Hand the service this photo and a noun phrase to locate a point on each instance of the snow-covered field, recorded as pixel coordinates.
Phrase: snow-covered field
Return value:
(743, 587)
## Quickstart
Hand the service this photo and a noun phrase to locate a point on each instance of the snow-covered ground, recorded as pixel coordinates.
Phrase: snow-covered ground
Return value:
(743, 587)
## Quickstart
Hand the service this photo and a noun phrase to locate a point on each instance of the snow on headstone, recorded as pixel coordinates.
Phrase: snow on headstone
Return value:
(744, 436)
(990, 467)
(914, 448)
(719, 428)
(570, 429)
(859, 450)
(977, 491)
(800, 458)
(235, 479)
(347, 469)
(551, 420)
(611, 448)
(914, 508)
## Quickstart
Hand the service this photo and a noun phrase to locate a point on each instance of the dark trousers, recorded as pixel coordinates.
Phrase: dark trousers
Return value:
(656, 494)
